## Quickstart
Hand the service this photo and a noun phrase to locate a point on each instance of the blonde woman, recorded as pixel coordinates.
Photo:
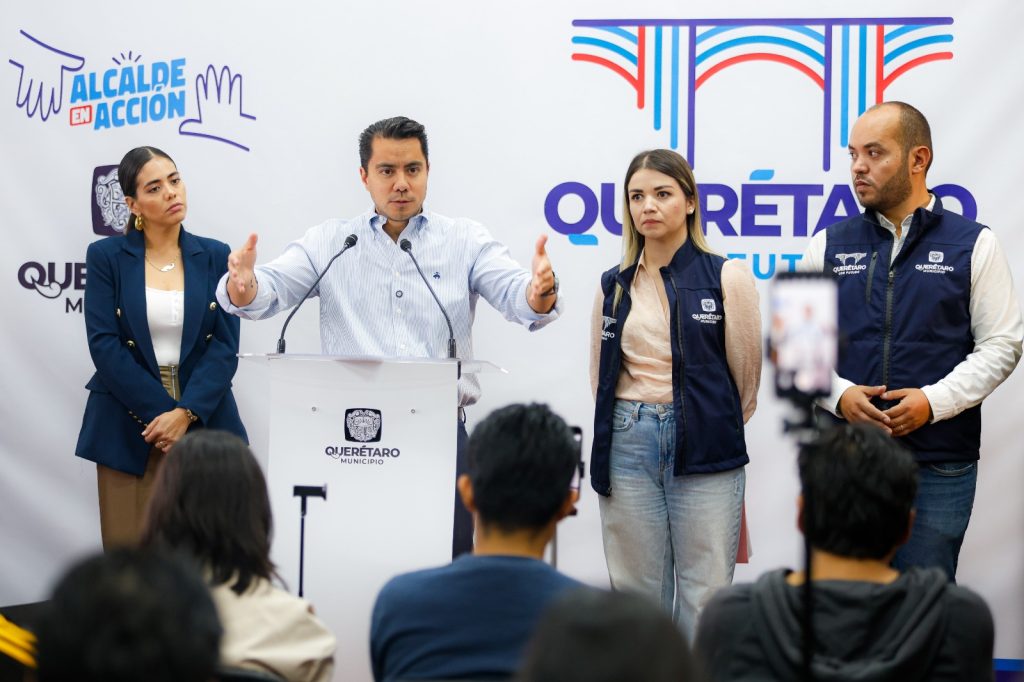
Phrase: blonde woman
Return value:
(675, 367)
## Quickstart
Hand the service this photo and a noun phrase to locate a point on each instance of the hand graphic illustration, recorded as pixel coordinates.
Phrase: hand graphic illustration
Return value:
(219, 102)
(41, 84)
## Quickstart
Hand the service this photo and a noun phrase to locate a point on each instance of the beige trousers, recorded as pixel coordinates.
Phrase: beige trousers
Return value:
(123, 497)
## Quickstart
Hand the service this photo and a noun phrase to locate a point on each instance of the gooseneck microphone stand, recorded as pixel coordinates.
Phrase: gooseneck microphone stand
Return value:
(350, 241)
(406, 246)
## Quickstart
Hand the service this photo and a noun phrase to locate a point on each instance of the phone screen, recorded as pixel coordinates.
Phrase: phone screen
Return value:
(802, 341)
(577, 438)
(577, 474)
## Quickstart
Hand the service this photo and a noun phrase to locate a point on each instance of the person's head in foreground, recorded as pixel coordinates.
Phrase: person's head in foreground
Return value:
(870, 622)
(125, 616)
(210, 501)
(862, 486)
(596, 636)
(521, 464)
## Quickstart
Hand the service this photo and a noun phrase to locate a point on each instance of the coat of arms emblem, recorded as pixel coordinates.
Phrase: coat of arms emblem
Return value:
(362, 425)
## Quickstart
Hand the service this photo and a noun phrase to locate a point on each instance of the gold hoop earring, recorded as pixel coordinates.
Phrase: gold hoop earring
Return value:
(140, 223)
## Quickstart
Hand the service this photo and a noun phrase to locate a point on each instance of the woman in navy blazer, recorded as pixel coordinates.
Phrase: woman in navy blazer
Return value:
(137, 409)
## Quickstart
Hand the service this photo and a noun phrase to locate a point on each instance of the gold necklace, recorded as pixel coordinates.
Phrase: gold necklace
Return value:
(166, 268)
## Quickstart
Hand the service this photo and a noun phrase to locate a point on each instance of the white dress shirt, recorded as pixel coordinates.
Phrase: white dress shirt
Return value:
(372, 300)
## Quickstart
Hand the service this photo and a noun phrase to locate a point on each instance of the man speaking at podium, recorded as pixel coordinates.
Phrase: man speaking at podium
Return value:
(379, 305)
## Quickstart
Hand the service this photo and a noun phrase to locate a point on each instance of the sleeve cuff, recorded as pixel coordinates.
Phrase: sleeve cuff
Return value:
(831, 403)
(539, 320)
(941, 401)
(258, 305)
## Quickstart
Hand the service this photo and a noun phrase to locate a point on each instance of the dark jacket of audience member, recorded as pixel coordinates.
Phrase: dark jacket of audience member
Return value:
(870, 622)
(210, 503)
(594, 636)
(472, 618)
(125, 616)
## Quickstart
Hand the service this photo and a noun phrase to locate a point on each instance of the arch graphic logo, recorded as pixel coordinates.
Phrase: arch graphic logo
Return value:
(838, 66)
(851, 61)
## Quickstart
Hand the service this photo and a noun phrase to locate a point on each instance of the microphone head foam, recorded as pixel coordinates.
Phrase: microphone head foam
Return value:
(350, 241)
(405, 245)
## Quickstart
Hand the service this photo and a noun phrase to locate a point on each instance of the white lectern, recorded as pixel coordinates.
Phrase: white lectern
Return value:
(381, 435)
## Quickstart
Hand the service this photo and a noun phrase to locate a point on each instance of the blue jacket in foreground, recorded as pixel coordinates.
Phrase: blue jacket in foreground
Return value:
(126, 392)
(469, 619)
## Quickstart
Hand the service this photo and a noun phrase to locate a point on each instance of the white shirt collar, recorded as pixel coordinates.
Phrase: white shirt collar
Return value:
(905, 225)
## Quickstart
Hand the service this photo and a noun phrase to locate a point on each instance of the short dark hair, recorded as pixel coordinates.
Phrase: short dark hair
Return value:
(591, 635)
(210, 501)
(861, 485)
(130, 167)
(395, 128)
(913, 131)
(129, 615)
(521, 461)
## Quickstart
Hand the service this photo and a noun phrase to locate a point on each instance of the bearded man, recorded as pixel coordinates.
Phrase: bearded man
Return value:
(931, 319)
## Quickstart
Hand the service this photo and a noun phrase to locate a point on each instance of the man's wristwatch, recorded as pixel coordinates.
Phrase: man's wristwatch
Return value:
(192, 417)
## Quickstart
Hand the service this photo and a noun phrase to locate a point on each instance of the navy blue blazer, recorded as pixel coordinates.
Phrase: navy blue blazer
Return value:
(126, 392)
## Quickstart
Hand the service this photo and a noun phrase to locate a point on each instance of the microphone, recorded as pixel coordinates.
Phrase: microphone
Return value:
(406, 246)
(350, 241)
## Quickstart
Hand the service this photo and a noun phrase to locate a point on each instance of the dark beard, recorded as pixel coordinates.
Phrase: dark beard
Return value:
(894, 192)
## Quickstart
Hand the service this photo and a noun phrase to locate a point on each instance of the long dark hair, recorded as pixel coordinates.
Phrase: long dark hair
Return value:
(128, 172)
(210, 501)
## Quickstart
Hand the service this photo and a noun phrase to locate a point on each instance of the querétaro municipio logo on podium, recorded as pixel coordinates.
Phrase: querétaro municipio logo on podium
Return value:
(362, 425)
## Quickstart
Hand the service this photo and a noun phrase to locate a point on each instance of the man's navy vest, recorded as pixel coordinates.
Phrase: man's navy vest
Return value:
(705, 401)
(908, 325)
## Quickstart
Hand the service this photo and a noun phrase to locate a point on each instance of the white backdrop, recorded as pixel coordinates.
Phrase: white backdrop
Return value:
(512, 114)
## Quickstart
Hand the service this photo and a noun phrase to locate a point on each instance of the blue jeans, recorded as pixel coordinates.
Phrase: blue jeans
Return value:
(672, 538)
(945, 498)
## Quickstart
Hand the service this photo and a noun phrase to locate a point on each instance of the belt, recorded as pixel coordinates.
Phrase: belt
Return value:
(169, 378)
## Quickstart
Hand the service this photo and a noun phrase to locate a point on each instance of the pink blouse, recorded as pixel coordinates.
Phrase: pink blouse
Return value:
(646, 373)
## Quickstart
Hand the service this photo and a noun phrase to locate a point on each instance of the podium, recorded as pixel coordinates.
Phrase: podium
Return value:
(380, 433)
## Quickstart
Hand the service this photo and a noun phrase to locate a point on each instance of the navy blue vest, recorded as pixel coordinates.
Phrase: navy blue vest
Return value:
(705, 401)
(909, 325)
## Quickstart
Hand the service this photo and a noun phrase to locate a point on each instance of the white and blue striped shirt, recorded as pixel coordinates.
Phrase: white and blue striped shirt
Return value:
(372, 302)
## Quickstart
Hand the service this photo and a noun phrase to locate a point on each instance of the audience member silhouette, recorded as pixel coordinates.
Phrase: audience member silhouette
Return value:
(594, 636)
(125, 616)
(870, 622)
(473, 617)
(210, 503)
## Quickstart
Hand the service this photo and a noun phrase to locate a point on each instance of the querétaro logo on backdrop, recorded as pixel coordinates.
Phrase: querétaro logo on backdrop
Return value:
(663, 64)
(109, 211)
(130, 90)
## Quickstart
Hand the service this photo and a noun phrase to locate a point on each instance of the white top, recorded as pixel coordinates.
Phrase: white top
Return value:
(995, 323)
(268, 629)
(166, 313)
